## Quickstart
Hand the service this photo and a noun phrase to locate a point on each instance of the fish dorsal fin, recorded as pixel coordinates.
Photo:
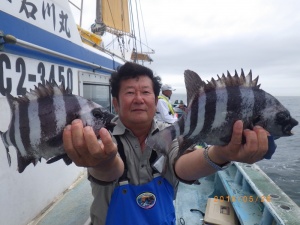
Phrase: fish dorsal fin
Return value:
(41, 91)
(233, 81)
(194, 83)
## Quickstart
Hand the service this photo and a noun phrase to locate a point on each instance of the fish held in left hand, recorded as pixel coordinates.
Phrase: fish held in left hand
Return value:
(213, 108)
(39, 117)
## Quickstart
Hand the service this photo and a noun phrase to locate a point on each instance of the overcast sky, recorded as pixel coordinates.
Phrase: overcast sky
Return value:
(213, 36)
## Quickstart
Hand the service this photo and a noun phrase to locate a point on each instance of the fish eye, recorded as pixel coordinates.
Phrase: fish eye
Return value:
(282, 116)
(97, 113)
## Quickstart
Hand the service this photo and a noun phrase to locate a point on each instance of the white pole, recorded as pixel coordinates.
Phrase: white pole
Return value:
(81, 9)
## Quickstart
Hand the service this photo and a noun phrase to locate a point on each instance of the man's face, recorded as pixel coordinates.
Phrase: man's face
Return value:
(137, 102)
(168, 93)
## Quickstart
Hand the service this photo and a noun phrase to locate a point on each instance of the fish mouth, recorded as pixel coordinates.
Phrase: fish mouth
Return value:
(287, 130)
(109, 126)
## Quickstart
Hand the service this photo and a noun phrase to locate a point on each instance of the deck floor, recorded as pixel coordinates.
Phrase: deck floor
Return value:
(190, 203)
(71, 209)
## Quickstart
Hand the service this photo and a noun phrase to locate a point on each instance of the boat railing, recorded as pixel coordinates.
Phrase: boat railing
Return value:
(9, 39)
(98, 47)
(254, 196)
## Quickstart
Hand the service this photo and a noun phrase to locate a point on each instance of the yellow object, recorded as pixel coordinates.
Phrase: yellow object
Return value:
(115, 14)
(140, 56)
(89, 37)
(169, 104)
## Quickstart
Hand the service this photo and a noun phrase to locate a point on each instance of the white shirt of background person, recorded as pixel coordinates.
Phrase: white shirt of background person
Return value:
(162, 109)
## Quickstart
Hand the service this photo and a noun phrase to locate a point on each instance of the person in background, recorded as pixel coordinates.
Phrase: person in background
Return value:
(164, 108)
(126, 187)
(182, 106)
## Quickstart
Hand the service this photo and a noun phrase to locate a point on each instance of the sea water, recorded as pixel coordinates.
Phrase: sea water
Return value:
(284, 166)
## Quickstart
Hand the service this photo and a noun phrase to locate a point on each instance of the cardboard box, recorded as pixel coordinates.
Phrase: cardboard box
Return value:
(219, 212)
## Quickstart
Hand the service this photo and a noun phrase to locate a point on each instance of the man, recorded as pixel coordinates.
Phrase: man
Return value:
(126, 189)
(164, 109)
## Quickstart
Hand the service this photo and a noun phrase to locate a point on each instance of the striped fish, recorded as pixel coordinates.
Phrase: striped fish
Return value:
(213, 108)
(38, 119)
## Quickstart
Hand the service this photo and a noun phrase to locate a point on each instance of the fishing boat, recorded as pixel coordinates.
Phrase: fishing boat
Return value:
(40, 41)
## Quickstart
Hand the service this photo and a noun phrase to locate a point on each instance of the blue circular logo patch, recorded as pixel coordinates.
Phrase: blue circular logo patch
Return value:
(146, 200)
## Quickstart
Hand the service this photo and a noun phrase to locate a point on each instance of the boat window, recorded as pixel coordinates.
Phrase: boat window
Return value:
(98, 93)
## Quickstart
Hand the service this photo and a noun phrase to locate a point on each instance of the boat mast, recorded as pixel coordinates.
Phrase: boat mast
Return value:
(98, 27)
(113, 17)
(98, 11)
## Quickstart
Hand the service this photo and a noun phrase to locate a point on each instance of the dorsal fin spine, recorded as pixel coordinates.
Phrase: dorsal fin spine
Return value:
(224, 81)
(39, 91)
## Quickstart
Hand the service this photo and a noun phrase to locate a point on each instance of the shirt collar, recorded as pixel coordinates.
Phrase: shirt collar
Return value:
(120, 129)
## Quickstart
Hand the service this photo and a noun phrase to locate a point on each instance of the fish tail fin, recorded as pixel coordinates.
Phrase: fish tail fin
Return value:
(23, 162)
(6, 147)
(162, 140)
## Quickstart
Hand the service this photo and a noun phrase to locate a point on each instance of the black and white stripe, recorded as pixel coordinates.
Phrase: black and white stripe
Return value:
(247, 104)
(216, 105)
(23, 127)
(221, 104)
(38, 119)
(213, 110)
(259, 100)
(234, 108)
(16, 135)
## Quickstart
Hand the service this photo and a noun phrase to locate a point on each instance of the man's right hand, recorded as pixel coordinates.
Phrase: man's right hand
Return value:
(85, 150)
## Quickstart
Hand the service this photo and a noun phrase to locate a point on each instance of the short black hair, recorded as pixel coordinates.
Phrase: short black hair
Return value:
(132, 70)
